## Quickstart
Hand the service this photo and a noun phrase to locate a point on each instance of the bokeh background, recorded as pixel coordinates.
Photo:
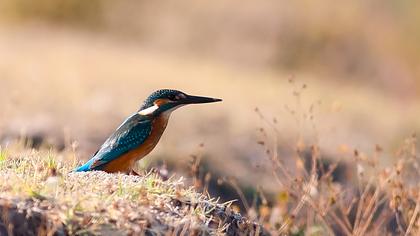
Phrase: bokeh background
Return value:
(344, 76)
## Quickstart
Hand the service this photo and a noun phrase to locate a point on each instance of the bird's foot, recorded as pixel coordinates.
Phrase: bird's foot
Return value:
(132, 172)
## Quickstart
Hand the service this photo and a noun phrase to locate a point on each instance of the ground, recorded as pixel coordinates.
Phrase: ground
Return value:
(41, 196)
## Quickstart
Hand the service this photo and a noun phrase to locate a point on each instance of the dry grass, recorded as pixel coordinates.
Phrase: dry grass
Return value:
(377, 198)
(380, 201)
(38, 186)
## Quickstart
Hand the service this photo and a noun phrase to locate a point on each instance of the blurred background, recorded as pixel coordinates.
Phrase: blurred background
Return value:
(343, 76)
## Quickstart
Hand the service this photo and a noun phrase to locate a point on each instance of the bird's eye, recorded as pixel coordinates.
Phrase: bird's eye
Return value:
(180, 96)
(176, 97)
(172, 97)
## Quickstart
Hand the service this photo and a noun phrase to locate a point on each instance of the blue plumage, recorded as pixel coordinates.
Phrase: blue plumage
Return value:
(129, 135)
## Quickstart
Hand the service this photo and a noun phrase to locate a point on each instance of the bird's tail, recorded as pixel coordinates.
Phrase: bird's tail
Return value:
(85, 167)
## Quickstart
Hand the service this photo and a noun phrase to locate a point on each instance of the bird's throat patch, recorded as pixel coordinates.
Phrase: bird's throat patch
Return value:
(149, 110)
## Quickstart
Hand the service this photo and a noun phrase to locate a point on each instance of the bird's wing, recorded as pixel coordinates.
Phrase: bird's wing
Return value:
(129, 135)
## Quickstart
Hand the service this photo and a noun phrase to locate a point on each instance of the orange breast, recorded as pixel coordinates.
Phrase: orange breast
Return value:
(125, 162)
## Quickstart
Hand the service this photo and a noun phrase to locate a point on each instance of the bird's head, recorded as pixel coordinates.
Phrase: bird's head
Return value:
(167, 100)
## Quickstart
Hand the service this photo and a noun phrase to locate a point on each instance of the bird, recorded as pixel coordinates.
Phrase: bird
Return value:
(138, 134)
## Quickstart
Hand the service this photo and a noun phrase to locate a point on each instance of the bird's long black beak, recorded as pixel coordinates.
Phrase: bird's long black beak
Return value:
(197, 99)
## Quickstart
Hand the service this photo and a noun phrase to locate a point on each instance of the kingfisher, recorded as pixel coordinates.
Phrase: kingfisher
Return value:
(139, 133)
